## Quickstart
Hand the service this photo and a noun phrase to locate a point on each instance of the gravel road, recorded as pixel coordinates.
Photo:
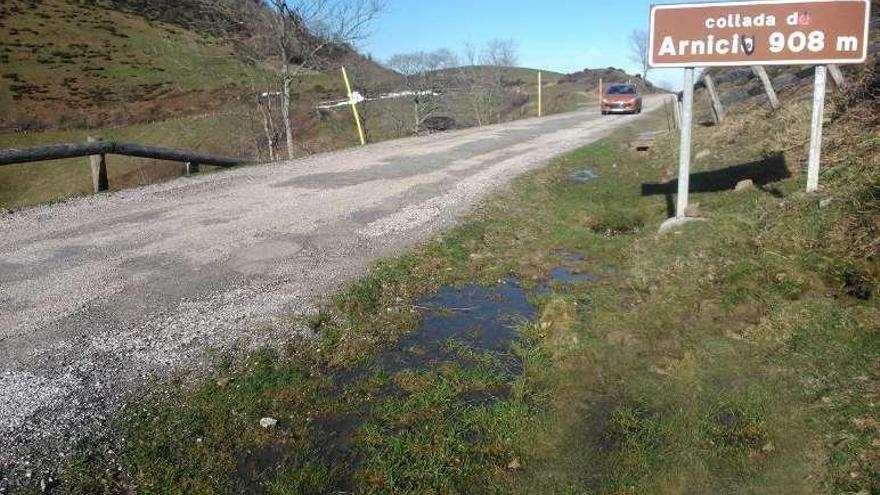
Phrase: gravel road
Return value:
(100, 293)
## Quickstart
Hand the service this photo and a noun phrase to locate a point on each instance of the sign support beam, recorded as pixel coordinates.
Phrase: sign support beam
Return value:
(816, 129)
(717, 106)
(761, 72)
(836, 76)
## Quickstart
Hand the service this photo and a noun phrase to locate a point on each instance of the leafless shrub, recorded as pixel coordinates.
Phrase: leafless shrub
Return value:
(427, 81)
(638, 48)
(482, 78)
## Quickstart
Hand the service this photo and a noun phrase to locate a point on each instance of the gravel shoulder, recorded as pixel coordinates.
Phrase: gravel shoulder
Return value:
(100, 294)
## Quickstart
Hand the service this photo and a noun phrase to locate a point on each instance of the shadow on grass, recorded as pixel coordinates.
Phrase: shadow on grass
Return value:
(762, 173)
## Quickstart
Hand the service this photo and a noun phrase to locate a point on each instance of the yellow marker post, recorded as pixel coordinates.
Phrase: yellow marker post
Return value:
(354, 110)
(540, 96)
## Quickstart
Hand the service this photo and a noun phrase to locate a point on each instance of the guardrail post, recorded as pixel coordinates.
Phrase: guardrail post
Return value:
(99, 170)
(192, 168)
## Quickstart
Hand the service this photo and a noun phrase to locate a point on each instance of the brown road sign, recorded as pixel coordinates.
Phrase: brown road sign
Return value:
(759, 33)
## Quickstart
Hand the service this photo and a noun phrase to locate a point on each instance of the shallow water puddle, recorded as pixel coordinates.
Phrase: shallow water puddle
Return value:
(460, 327)
(481, 318)
(571, 270)
(585, 175)
(566, 275)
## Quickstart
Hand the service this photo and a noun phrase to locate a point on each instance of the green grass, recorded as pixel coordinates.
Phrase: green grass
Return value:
(728, 358)
(67, 52)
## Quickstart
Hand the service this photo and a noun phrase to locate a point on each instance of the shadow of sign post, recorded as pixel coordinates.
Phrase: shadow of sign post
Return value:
(761, 172)
(756, 33)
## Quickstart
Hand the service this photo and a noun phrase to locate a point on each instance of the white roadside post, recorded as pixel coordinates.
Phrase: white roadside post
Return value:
(816, 129)
(684, 156)
(540, 96)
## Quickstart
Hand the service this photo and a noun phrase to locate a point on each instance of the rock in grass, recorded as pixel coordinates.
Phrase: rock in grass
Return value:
(744, 185)
(268, 422)
(514, 465)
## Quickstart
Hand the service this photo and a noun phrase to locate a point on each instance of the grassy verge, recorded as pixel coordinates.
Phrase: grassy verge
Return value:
(738, 356)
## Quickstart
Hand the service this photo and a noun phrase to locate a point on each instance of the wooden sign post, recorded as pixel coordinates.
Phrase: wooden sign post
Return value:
(757, 33)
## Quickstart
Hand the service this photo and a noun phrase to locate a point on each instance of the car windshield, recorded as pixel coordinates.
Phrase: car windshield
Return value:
(621, 90)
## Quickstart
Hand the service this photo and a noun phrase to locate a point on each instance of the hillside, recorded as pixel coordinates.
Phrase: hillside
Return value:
(610, 75)
(71, 64)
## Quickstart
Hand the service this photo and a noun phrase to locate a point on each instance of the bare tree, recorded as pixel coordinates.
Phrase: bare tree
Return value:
(482, 78)
(427, 80)
(295, 37)
(500, 53)
(638, 50)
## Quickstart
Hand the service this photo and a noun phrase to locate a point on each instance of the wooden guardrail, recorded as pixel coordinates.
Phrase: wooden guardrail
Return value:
(97, 150)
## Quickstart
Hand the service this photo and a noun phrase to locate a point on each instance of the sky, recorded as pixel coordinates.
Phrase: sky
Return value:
(558, 35)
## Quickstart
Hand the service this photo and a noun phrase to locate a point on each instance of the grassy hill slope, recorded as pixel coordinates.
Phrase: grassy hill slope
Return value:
(69, 64)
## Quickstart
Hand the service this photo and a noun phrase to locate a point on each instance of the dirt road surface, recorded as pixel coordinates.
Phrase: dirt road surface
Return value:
(99, 294)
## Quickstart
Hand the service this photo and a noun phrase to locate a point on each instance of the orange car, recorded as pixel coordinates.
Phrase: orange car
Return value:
(621, 98)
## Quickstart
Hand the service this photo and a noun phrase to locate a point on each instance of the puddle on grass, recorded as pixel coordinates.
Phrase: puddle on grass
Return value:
(585, 175)
(571, 270)
(471, 318)
(565, 275)
(458, 325)
(484, 319)
(261, 463)
(484, 396)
